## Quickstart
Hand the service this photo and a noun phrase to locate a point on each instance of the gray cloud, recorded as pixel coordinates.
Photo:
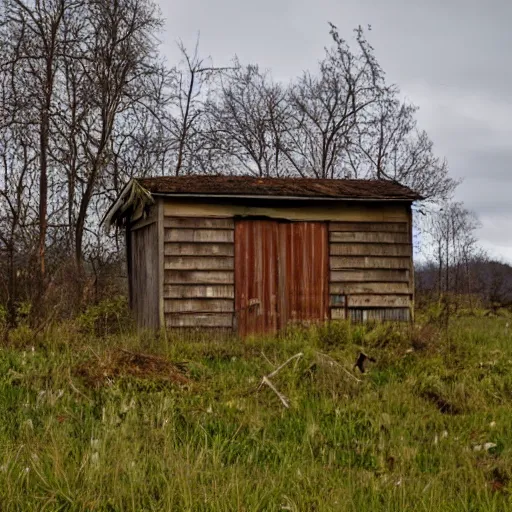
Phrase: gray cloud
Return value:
(450, 57)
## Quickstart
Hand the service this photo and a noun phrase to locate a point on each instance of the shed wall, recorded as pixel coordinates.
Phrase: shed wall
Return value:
(371, 272)
(145, 275)
(369, 258)
(198, 287)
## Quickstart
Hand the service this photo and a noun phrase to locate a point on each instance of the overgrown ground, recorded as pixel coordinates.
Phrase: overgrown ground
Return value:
(138, 423)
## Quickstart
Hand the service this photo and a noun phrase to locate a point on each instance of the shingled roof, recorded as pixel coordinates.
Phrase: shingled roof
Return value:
(139, 191)
(278, 187)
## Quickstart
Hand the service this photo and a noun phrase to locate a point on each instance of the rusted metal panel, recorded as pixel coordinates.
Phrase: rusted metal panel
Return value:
(199, 223)
(256, 276)
(369, 262)
(351, 249)
(303, 271)
(369, 237)
(281, 272)
(199, 263)
(199, 249)
(199, 291)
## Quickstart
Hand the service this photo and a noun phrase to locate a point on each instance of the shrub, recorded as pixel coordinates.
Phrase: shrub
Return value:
(106, 318)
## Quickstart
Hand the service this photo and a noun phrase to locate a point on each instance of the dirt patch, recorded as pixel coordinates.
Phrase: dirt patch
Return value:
(101, 371)
(444, 406)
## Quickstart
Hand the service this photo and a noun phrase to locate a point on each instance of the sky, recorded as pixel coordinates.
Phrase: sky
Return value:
(452, 58)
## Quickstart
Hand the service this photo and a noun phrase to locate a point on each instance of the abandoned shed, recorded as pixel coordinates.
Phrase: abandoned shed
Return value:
(254, 255)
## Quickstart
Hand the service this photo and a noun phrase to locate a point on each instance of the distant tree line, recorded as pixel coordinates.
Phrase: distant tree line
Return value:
(452, 264)
(87, 102)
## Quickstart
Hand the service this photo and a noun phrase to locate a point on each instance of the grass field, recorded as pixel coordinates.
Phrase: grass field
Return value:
(131, 423)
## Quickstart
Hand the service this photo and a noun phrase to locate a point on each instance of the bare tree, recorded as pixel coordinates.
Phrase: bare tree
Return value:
(325, 108)
(450, 241)
(247, 120)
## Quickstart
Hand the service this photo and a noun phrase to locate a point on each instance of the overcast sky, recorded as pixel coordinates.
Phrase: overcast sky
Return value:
(453, 58)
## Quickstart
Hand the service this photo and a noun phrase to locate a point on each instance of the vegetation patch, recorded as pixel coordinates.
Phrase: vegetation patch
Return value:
(118, 363)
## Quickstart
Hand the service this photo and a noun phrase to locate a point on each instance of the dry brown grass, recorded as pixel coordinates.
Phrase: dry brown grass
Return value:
(114, 364)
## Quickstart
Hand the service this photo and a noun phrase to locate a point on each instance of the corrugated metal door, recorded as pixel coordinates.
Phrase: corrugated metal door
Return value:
(256, 279)
(281, 274)
(303, 272)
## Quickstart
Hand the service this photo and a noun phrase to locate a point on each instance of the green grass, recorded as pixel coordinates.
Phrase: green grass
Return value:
(403, 438)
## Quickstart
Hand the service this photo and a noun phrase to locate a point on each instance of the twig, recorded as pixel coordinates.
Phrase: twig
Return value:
(266, 379)
(281, 397)
(339, 366)
(77, 390)
(279, 368)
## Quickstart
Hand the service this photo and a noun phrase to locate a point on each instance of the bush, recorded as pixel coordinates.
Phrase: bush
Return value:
(108, 317)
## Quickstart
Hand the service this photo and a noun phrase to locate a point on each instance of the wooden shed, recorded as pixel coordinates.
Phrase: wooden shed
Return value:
(254, 255)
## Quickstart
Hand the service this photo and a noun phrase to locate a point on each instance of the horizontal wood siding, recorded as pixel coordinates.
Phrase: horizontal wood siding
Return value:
(369, 262)
(352, 249)
(199, 291)
(345, 211)
(371, 273)
(198, 263)
(199, 249)
(199, 272)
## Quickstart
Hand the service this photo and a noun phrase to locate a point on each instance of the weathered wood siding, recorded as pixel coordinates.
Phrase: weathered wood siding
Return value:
(145, 275)
(198, 286)
(371, 271)
(331, 211)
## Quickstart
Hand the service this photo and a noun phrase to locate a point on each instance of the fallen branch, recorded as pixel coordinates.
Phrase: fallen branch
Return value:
(279, 368)
(333, 361)
(267, 382)
(281, 397)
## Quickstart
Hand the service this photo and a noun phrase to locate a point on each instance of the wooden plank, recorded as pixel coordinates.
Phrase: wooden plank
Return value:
(380, 227)
(199, 291)
(199, 235)
(379, 301)
(199, 277)
(199, 249)
(340, 249)
(142, 223)
(199, 222)
(370, 237)
(338, 314)
(145, 276)
(199, 305)
(358, 276)
(379, 314)
(161, 257)
(355, 262)
(367, 288)
(199, 321)
(199, 263)
(327, 211)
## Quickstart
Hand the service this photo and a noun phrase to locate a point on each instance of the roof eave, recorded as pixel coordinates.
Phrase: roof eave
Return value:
(289, 198)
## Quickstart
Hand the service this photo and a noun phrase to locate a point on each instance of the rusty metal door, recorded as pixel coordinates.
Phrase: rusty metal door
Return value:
(303, 272)
(256, 278)
(281, 274)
